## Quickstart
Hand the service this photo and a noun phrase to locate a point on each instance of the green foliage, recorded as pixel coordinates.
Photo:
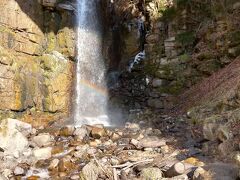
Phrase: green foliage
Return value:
(186, 38)
(185, 57)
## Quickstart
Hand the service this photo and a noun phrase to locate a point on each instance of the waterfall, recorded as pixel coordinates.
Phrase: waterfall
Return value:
(91, 92)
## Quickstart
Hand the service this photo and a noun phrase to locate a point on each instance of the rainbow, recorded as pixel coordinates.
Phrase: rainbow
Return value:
(93, 87)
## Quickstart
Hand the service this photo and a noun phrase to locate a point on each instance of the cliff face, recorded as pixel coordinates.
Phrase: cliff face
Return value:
(36, 50)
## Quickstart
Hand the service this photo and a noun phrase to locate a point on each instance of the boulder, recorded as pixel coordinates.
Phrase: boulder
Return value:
(13, 136)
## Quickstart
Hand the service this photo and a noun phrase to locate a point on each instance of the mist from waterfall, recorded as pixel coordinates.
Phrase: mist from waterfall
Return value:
(91, 92)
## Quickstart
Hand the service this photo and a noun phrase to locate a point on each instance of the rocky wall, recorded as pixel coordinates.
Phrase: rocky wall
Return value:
(36, 53)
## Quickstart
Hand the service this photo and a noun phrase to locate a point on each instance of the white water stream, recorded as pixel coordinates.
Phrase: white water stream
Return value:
(91, 92)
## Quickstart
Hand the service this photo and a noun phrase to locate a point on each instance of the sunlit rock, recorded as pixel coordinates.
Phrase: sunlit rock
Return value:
(13, 135)
(42, 153)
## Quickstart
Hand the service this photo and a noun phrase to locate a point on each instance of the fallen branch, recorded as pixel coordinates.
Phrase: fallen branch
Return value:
(128, 165)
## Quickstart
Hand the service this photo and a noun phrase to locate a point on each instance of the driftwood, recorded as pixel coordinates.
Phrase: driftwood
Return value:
(177, 169)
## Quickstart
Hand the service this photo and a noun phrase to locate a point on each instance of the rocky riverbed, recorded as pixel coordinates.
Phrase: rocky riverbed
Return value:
(135, 151)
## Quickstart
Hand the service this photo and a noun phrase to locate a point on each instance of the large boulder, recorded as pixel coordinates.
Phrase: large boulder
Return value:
(13, 136)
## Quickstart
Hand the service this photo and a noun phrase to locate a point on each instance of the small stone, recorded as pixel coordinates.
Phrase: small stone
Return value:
(80, 133)
(157, 82)
(225, 148)
(236, 158)
(165, 149)
(152, 142)
(57, 150)
(92, 151)
(65, 164)
(151, 174)
(27, 152)
(74, 177)
(43, 139)
(132, 126)
(90, 172)
(2, 177)
(200, 174)
(95, 143)
(54, 163)
(18, 171)
(42, 153)
(148, 149)
(97, 132)
(134, 142)
(7, 173)
(33, 178)
(115, 136)
(67, 131)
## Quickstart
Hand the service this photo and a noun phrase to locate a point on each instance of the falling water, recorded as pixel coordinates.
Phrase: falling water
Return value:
(91, 92)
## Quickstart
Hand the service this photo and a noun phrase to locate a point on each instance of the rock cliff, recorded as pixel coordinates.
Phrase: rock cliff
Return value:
(37, 50)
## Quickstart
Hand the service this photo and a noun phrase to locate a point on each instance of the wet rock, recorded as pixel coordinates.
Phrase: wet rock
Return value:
(90, 172)
(43, 139)
(151, 173)
(98, 132)
(152, 142)
(18, 171)
(67, 131)
(42, 153)
(13, 135)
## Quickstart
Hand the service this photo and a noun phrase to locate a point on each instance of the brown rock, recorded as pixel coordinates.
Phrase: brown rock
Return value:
(33, 178)
(67, 131)
(65, 164)
(97, 132)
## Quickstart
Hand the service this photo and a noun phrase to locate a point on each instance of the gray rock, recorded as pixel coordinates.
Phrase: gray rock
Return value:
(18, 171)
